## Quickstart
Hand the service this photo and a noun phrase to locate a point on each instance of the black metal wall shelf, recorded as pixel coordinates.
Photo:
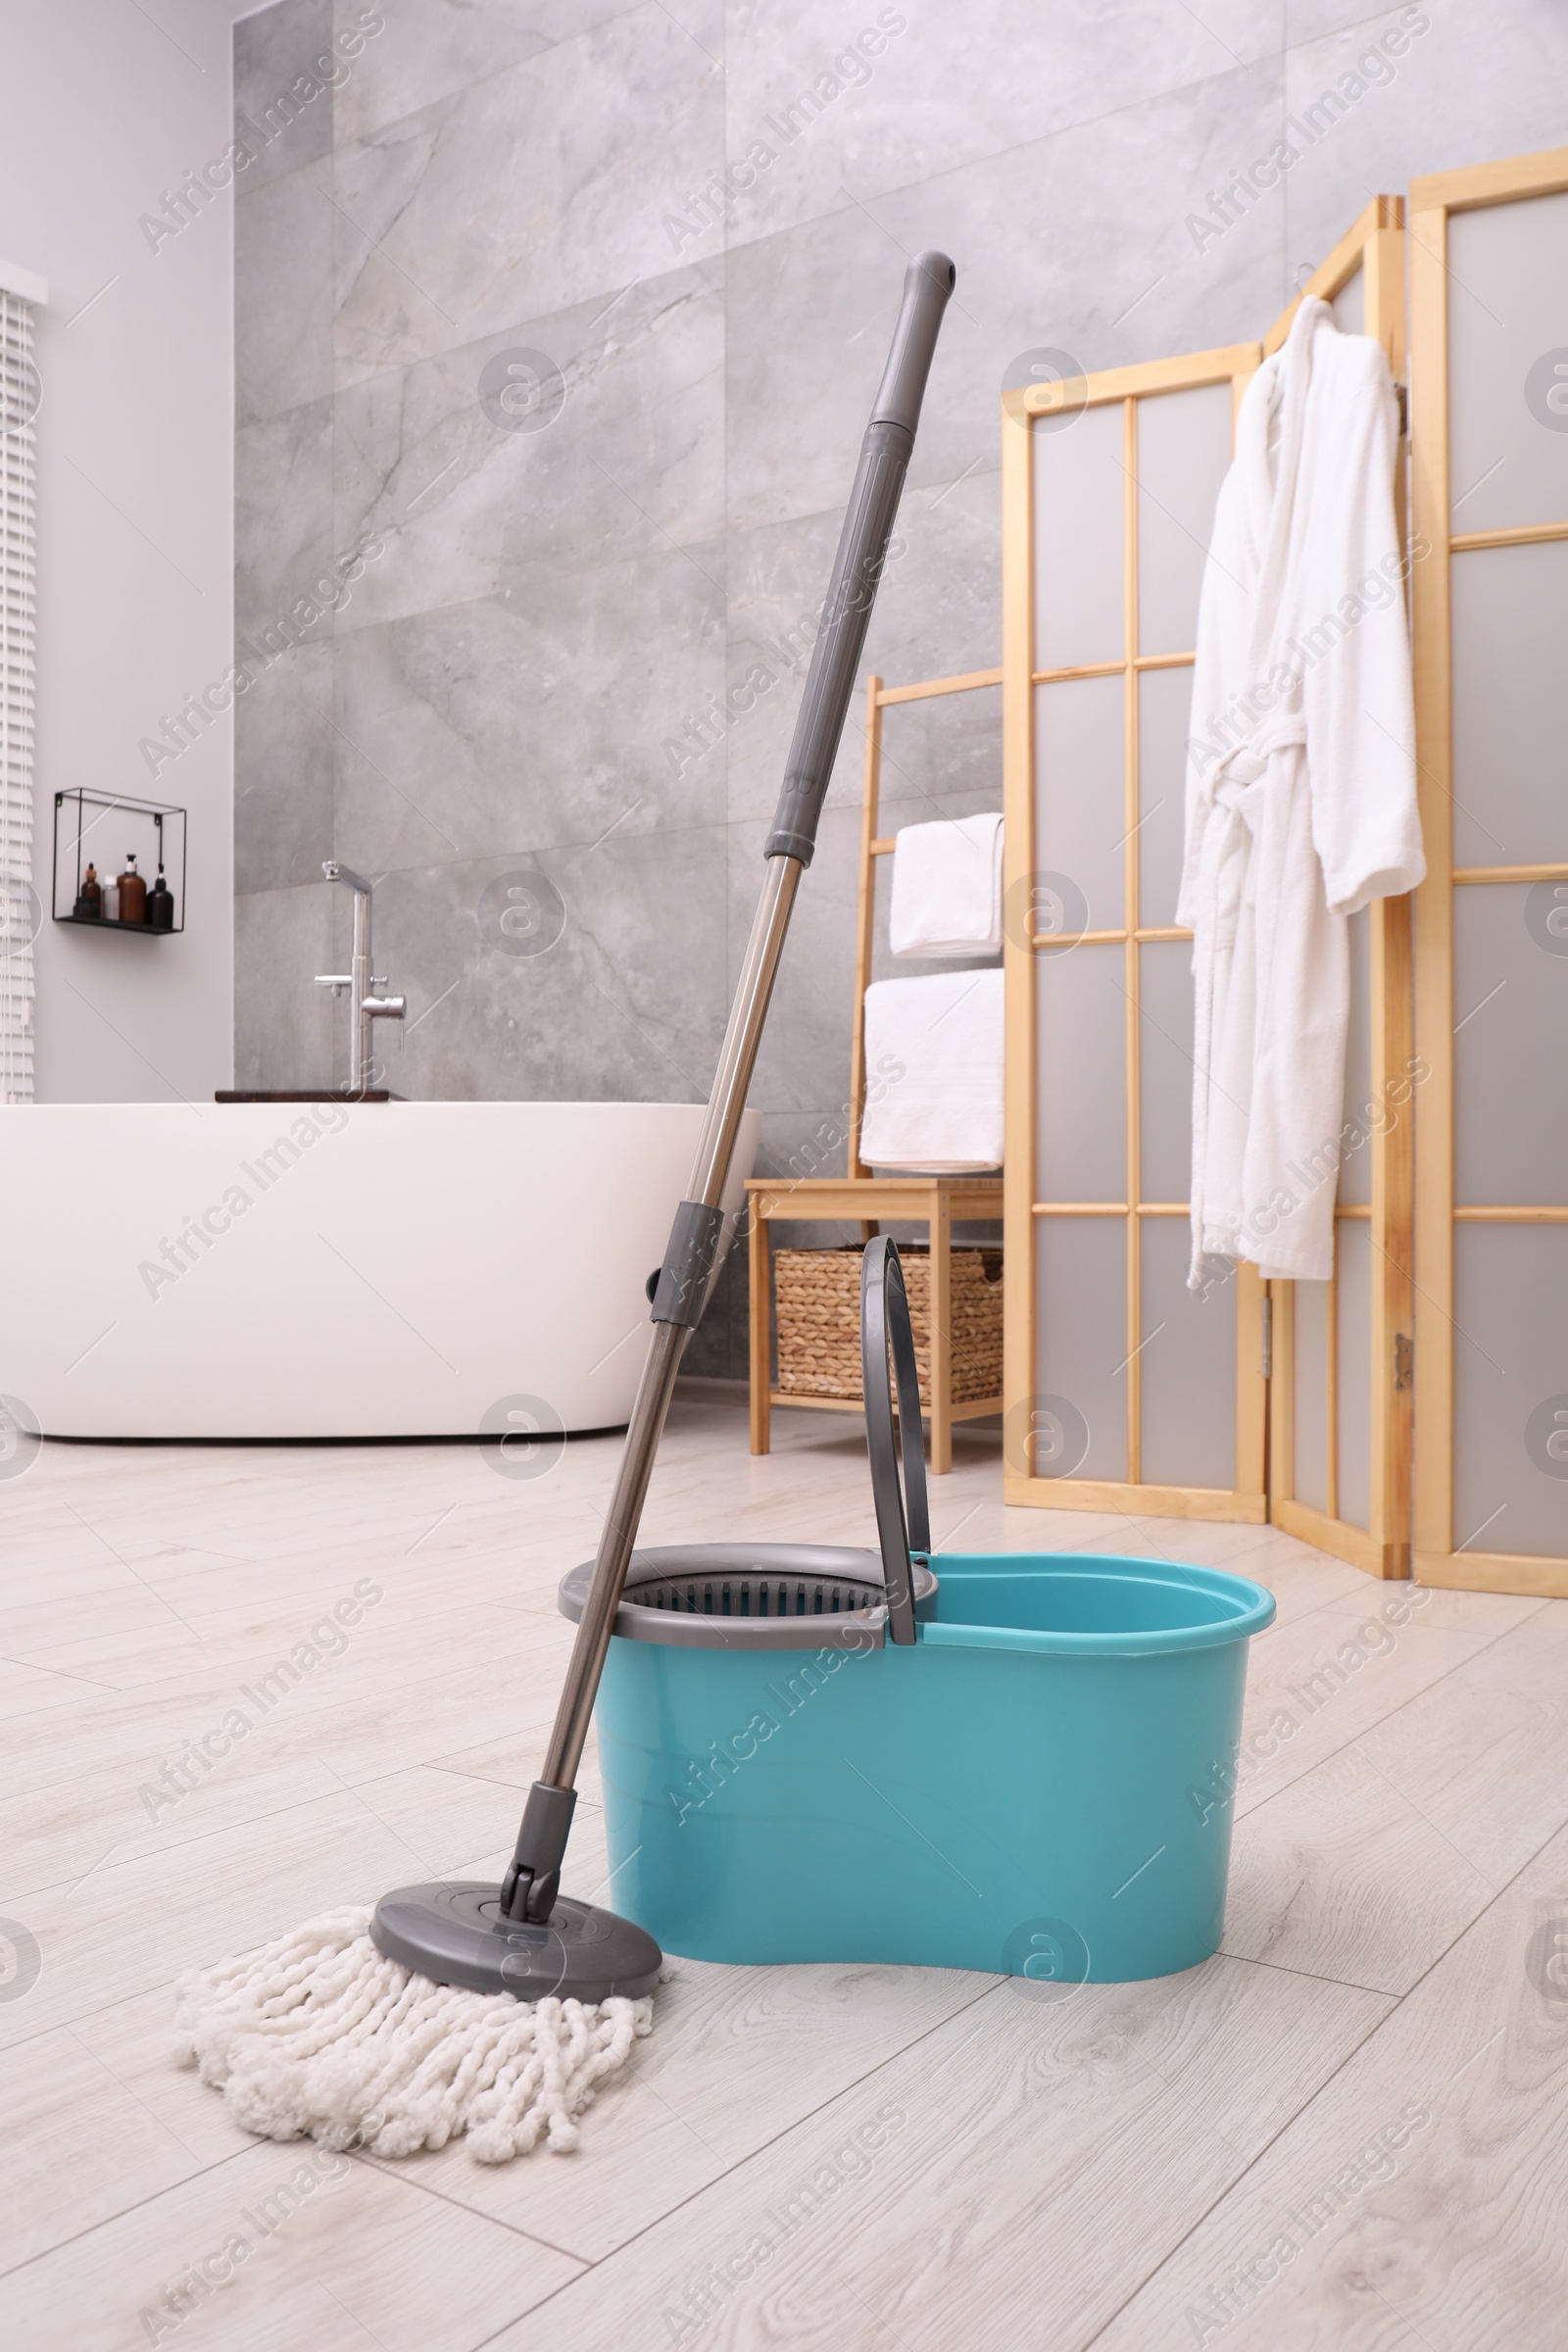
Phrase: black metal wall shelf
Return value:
(151, 832)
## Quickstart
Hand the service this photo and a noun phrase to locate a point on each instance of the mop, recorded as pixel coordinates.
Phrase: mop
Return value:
(460, 2007)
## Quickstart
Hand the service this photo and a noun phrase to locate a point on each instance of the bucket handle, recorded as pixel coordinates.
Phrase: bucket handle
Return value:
(885, 1315)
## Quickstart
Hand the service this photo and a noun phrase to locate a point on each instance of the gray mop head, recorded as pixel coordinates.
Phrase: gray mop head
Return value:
(319, 2036)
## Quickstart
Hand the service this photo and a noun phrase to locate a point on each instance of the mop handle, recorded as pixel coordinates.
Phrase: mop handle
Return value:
(530, 1888)
(868, 518)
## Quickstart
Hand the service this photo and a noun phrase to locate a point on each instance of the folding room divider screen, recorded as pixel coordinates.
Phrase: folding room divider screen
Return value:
(1489, 316)
(1125, 1389)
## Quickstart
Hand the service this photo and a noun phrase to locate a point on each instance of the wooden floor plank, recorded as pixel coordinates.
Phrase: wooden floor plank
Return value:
(1455, 2237)
(1338, 1876)
(997, 2183)
(1484, 1755)
(357, 2258)
(79, 2146)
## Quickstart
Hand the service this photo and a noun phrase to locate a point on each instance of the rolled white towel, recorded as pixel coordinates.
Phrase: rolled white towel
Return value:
(946, 889)
(934, 1062)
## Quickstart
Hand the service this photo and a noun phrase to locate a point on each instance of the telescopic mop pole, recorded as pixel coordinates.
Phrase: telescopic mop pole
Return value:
(530, 1888)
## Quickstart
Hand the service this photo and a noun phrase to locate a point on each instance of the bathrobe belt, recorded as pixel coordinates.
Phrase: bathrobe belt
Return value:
(1231, 799)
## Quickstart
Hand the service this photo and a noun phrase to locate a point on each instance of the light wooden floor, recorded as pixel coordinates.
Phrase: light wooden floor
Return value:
(1186, 2161)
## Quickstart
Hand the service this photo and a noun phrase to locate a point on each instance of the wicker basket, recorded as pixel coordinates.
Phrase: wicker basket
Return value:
(818, 1320)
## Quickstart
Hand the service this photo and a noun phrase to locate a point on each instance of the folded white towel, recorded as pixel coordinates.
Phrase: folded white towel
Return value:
(933, 1059)
(946, 889)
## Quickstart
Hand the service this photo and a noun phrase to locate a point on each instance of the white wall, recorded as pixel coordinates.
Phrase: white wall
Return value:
(100, 113)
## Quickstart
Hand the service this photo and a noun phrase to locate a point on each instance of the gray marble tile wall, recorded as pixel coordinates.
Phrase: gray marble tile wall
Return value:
(542, 590)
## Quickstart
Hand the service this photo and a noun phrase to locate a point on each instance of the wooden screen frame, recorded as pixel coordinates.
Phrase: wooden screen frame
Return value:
(1436, 1559)
(1248, 1500)
(1374, 246)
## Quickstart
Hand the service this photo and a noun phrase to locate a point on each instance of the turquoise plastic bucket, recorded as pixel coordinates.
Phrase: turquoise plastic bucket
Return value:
(1036, 1785)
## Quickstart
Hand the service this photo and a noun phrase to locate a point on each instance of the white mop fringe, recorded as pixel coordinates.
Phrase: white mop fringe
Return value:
(319, 2036)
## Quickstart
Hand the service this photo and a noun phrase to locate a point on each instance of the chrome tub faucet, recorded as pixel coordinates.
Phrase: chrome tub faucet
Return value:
(360, 982)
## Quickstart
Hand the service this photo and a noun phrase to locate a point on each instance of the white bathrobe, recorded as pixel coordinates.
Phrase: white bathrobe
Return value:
(1300, 789)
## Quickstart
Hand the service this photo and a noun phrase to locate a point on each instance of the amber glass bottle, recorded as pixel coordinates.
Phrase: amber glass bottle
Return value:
(132, 893)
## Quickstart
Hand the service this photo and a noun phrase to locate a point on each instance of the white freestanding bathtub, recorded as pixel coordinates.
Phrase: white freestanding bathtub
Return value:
(334, 1270)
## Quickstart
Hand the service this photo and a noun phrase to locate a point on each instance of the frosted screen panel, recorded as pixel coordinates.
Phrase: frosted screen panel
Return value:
(1165, 1069)
(1311, 1395)
(1353, 1263)
(1184, 448)
(1165, 701)
(1080, 1090)
(1510, 705)
(1078, 509)
(1188, 1424)
(1355, 1169)
(1080, 802)
(1510, 1389)
(1507, 329)
(1080, 1402)
(1510, 1068)
(1350, 306)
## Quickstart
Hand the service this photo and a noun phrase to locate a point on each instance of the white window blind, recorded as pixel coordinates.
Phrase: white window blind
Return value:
(19, 904)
